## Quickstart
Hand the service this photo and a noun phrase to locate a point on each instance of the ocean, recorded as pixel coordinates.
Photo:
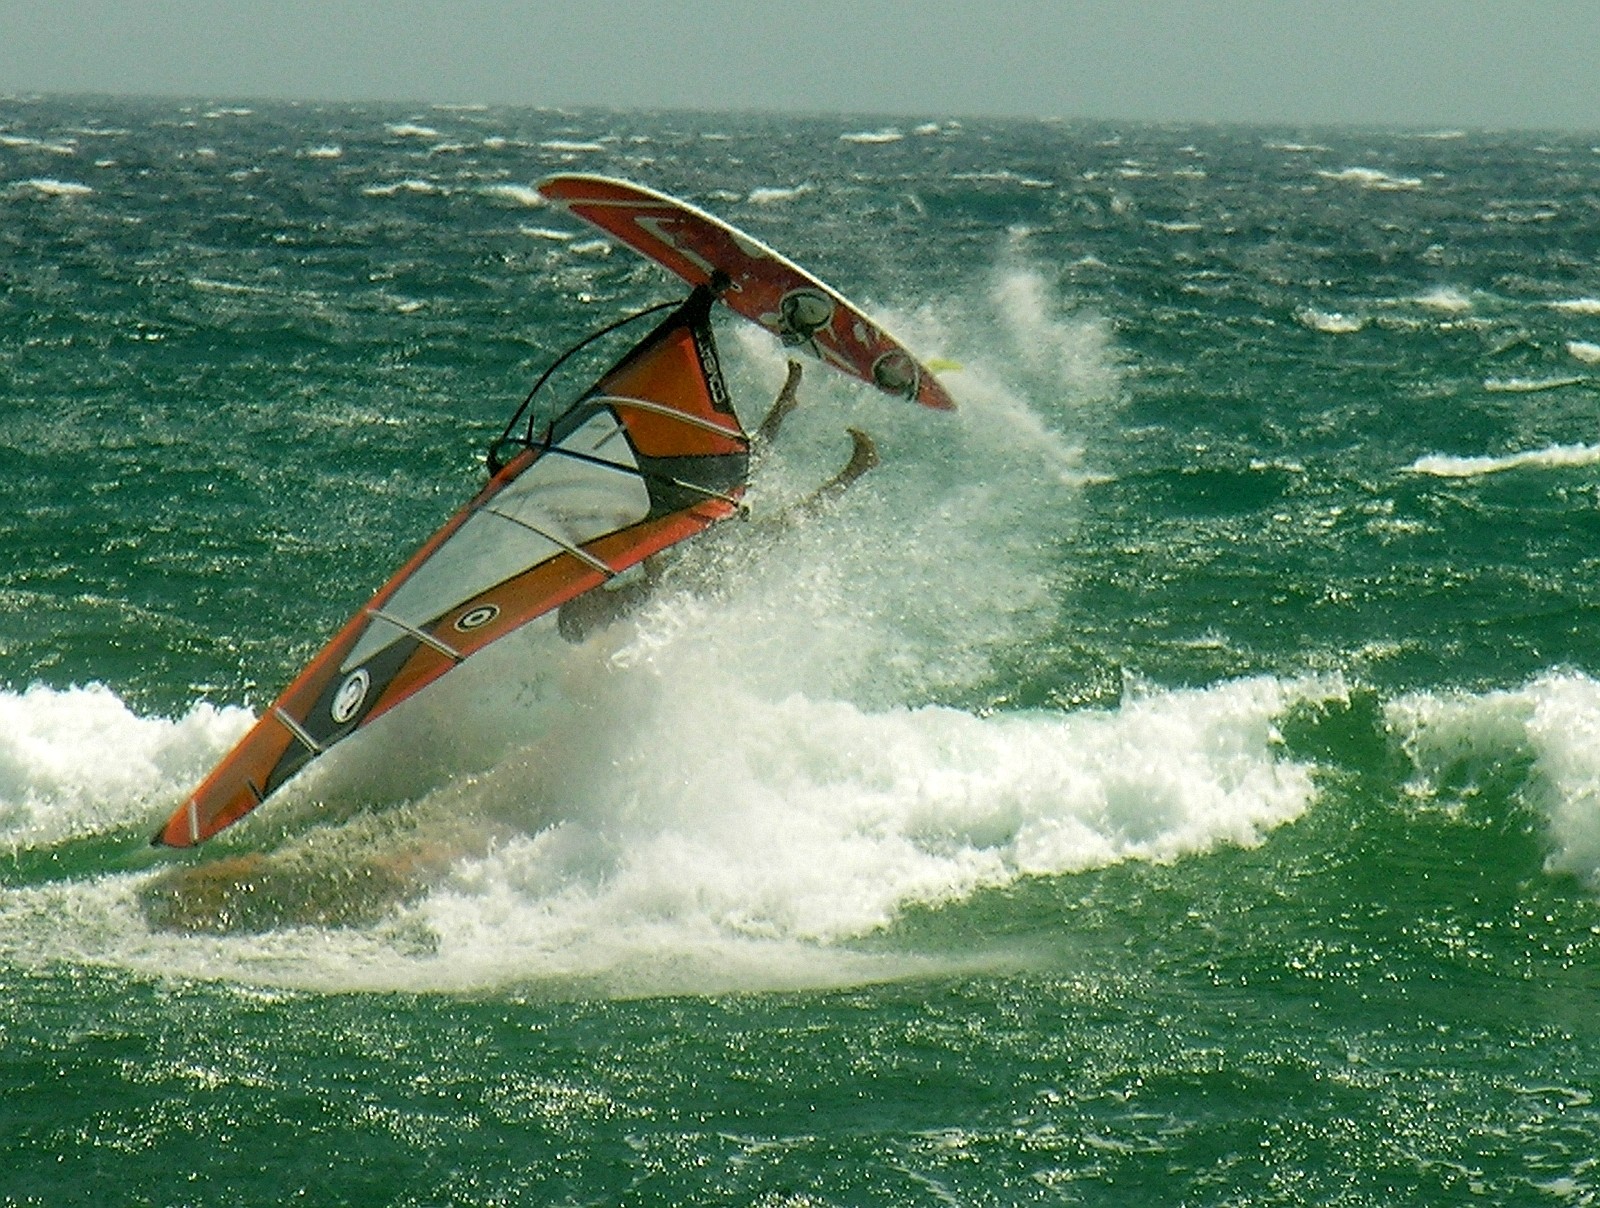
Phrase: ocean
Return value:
(1171, 778)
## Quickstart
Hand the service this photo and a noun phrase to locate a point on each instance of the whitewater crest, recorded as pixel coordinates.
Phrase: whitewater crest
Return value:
(1551, 457)
(1551, 725)
(643, 856)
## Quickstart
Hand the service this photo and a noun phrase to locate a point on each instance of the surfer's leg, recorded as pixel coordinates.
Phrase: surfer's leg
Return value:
(863, 457)
(786, 402)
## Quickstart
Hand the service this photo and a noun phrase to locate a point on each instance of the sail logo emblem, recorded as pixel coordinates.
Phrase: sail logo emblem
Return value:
(348, 699)
(477, 618)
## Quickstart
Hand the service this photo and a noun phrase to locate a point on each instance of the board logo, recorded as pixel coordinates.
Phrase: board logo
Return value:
(802, 313)
(477, 618)
(347, 701)
(896, 373)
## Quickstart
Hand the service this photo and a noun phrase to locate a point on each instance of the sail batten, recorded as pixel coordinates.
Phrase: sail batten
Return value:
(577, 551)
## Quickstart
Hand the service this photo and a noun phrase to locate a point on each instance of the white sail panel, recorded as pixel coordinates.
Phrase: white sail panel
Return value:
(556, 502)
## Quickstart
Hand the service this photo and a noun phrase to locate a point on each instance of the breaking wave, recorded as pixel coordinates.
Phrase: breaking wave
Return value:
(1552, 457)
(749, 845)
(1552, 726)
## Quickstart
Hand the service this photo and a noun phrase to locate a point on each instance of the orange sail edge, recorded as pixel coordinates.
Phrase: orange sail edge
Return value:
(244, 778)
(751, 279)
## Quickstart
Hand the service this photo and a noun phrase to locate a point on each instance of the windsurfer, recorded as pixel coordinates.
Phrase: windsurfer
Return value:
(581, 616)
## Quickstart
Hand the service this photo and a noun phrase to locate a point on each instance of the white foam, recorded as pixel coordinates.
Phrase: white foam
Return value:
(1372, 178)
(1585, 351)
(1554, 721)
(412, 130)
(1076, 353)
(770, 196)
(49, 187)
(1444, 298)
(21, 142)
(420, 187)
(1552, 457)
(1578, 306)
(713, 835)
(889, 134)
(1004, 176)
(522, 195)
(324, 151)
(78, 762)
(810, 823)
(1331, 322)
(565, 146)
(1530, 385)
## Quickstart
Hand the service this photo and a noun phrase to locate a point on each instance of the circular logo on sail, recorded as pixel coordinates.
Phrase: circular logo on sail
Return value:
(896, 373)
(347, 700)
(802, 313)
(477, 618)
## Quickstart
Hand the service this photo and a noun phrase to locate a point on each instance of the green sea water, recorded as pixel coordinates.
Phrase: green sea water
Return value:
(1170, 779)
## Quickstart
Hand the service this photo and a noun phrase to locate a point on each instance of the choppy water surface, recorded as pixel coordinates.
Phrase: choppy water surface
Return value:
(1171, 779)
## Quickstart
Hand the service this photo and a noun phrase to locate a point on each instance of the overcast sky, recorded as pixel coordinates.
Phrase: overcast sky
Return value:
(1435, 63)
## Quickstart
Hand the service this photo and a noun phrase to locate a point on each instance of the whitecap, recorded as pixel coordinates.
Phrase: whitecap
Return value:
(1004, 176)
(1332, 322)
(1578, 306)
(523, 195)
(1530, 385)
(78, 761)
(411, 130)
(889, 134)
(1555, 720)
(1552, 457)
(1372, 178)
(423, 187)
(571, 147)
(1585, 351)
(1444, 298)
(19, 142)
(770, 196)
(667, 858)
(49, 187)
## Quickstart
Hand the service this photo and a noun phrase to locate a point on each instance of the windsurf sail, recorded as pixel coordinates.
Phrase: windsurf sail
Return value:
(651, 454)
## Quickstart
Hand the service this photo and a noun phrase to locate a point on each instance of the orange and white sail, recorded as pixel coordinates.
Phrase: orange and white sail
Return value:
(650, 455)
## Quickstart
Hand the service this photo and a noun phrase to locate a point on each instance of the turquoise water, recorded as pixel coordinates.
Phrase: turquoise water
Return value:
(1170, 779)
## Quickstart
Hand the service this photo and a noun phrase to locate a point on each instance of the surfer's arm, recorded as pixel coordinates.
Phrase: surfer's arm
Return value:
(786, 402)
